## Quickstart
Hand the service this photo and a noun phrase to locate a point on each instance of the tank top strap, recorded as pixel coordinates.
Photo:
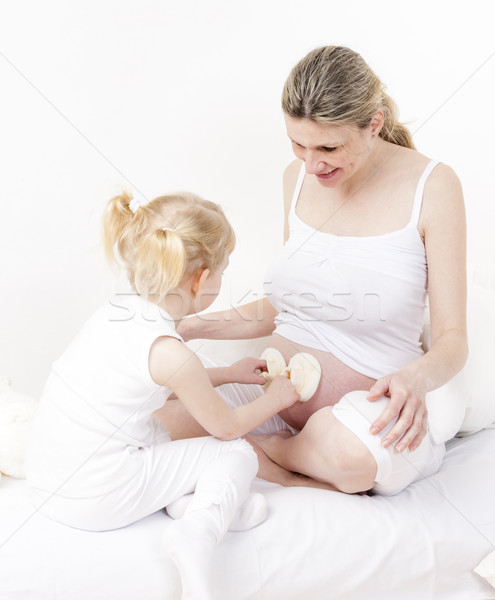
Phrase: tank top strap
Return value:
(418, 198)
(297, 189)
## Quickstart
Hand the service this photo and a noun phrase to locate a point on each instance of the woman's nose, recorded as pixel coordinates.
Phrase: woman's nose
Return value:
(313, 163)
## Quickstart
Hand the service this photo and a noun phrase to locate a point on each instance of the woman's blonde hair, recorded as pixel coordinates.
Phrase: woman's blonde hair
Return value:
(166, 239)
(334, 85)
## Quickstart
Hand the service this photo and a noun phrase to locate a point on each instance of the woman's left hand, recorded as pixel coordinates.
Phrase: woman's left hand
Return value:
(407, 403)
(247, 370)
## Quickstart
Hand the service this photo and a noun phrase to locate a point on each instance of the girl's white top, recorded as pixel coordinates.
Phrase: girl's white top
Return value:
(95, 410)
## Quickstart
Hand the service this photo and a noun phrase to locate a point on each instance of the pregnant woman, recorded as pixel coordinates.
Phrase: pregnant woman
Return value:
(372, 227)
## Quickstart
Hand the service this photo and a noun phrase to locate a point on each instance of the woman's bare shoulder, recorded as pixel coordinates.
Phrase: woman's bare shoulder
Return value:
(409, 165)
(444, 176)
(413, 161)
(443, 200)
(442, 188)
(406, 161)
(291, 173)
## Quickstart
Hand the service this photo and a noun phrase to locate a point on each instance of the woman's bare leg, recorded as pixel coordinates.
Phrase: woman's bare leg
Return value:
(325, 450)
(182, 425)
(177, 420)
(271, 471)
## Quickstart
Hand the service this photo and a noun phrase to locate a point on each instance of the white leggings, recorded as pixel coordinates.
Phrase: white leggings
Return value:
(218, 472)
(395, 471)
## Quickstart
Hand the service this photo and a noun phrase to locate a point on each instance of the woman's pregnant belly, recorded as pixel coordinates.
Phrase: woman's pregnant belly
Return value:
(336, 380)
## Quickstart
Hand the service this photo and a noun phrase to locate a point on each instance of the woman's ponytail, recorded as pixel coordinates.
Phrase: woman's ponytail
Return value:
(393, 131)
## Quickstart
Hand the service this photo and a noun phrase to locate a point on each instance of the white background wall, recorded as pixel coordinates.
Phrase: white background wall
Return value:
(163, 95)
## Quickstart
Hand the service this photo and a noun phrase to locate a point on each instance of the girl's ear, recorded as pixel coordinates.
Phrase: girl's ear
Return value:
(198, 279)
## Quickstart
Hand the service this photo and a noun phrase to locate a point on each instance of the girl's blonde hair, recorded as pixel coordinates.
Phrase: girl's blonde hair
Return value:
(165, 240)
(335, 86)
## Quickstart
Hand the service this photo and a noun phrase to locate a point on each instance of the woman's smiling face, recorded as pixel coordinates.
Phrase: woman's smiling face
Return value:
(332, 153)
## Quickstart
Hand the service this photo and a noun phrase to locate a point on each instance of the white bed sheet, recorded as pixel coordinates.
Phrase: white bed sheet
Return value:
(421, 544)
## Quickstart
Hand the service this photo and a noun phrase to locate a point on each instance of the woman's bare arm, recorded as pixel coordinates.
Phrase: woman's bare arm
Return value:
(252, 320)
(444, 233)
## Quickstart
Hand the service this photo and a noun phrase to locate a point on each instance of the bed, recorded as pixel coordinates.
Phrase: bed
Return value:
(418, 545)
(422, 543)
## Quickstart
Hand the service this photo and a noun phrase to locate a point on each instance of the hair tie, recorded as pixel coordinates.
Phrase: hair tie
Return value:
(136, 203)
(169, 229)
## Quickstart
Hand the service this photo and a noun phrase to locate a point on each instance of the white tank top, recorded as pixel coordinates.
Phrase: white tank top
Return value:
(360, 298)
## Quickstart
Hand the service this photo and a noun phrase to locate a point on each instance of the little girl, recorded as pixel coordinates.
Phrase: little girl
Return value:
(97, 459)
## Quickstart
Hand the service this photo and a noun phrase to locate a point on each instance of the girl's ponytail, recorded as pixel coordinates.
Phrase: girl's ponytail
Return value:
(116, 217)
(160, 262)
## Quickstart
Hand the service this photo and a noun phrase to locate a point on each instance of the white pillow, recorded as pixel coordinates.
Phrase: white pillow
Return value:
(466, 403)
(478, 380)
(486, 569)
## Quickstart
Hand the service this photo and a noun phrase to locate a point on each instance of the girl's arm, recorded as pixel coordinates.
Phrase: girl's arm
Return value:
(173, 365)
(444, 232)
(245, 370)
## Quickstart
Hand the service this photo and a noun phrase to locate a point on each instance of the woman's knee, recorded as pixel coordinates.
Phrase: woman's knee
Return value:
(342, 459)
(355, 467)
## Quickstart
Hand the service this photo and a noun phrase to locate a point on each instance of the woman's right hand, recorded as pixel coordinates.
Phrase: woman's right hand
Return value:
(283, 392)
(252, 320)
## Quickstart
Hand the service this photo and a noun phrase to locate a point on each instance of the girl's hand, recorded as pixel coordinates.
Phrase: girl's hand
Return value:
(283, 392)
(247, 370)
(407, 403)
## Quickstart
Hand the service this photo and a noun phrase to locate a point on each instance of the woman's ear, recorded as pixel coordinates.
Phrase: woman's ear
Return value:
(198, 279)
(376, 123)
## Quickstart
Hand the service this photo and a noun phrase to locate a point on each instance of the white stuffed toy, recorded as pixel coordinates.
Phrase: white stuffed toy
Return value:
(16, 413)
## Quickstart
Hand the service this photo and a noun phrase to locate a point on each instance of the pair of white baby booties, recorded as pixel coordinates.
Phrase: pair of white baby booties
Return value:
(303, 370)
